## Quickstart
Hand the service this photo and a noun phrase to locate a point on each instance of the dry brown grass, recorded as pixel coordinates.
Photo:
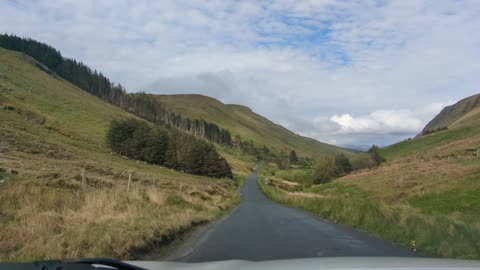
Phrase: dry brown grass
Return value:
(241, 164)
(40, 222)
(410, 177)
(46, 212)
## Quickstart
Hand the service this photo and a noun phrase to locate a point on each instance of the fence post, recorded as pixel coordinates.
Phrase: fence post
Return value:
(83, 178)
(129, 180)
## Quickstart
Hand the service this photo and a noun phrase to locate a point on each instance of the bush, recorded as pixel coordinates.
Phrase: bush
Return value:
(375, 155)
(343, 164)
(332, 168)
(363, 162)
(325, 171)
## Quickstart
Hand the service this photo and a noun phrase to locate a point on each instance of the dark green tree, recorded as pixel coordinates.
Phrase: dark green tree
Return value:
(375, 155)
(157, 148)
(293, 157)
(325, 171)
(171, 159)
(343, 164)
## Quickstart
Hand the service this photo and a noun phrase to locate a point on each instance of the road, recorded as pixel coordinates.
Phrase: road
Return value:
(260, 229)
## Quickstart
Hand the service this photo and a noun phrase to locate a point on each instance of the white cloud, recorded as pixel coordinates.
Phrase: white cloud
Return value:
(374, 67)
(379, 122)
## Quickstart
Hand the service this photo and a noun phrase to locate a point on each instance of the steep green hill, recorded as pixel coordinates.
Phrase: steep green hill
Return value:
(242, 121)
(461, 135)
(450, 114)
(61, 187)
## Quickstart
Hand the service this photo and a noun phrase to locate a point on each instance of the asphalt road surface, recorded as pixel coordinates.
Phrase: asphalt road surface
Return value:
(260, 229)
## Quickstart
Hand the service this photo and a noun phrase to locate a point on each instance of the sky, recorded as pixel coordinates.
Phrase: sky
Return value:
(343, 72)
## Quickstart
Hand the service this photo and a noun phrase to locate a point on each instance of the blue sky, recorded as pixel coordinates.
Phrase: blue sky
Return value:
(343, 72)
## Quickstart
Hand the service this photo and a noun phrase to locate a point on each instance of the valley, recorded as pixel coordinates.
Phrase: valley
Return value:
(89, 169)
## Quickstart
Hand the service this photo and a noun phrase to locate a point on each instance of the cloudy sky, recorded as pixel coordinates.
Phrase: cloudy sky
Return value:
(343, 72)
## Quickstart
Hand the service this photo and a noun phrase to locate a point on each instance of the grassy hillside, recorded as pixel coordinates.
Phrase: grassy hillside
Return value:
(61, 188)
(450, 114)
(461, 136)
(427, 192)
(246, 123)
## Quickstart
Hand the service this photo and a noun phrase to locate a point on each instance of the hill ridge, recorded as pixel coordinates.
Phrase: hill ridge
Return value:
(450, 114)
(243, 121)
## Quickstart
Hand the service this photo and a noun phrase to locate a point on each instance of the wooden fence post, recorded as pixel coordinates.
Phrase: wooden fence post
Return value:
(129, 180)
(83, 178)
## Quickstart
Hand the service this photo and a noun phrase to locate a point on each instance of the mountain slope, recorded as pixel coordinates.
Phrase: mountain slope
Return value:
(61, 187)
(450, 114)
(242, 121)
(459, 138)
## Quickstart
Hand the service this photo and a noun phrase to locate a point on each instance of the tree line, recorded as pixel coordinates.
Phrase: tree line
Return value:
(172, 149)
(94, 82)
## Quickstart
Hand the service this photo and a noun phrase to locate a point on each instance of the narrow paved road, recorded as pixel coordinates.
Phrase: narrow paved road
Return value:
(260, 229)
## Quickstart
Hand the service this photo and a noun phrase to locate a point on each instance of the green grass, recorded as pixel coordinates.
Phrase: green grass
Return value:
(249, 125)
(302, 176)
(465, 202)
(449, 116)
(472, 118)
(427, 142)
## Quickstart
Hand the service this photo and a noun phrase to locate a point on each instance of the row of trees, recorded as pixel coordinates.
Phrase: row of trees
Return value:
(172, 149)
(340, 165)
(140, 104)
(248, 147)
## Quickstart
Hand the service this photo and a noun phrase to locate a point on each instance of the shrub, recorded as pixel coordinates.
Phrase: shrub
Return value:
(363, 162)
(343, 164)
(325, 171)
(375, 155)
(293, 157)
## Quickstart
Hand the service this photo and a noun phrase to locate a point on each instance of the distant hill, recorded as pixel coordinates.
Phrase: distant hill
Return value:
(241, 120)
(450, 114)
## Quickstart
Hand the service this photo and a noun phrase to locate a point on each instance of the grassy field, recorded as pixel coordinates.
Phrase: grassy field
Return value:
(433, 144)
(462, 134)
(63, 194)
(427, 192)
(240, 163)
(302, 176)
(249, 125)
